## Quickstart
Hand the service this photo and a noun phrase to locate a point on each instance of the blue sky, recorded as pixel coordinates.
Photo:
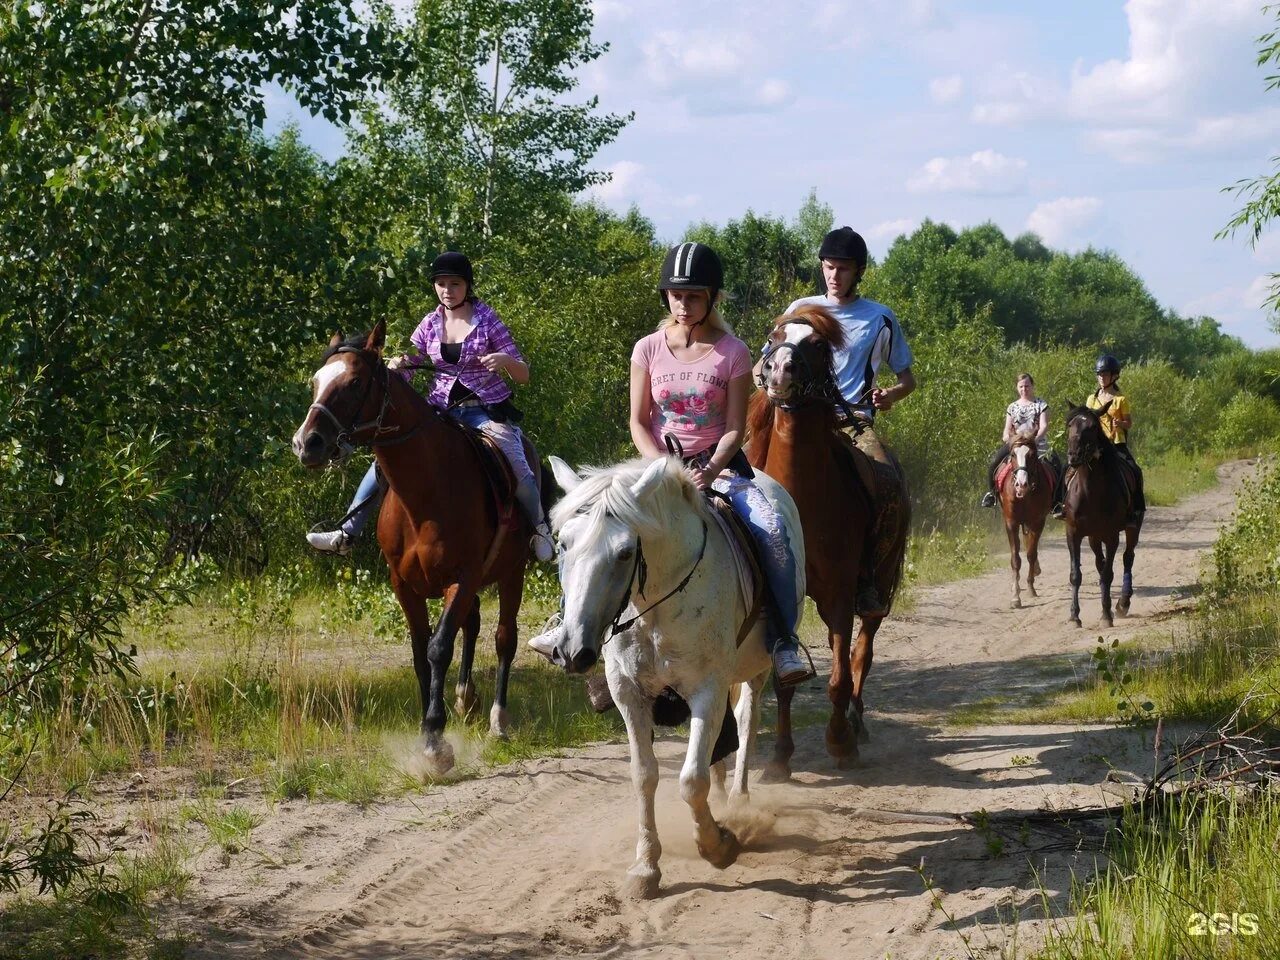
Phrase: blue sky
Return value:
(1092, 123)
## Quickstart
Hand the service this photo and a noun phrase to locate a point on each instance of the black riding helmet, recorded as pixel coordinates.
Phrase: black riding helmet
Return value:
(845, 243)
(451, 264)
(692, 266)
(1107, 364)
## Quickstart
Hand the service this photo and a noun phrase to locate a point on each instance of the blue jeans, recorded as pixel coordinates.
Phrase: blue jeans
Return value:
(775, 550)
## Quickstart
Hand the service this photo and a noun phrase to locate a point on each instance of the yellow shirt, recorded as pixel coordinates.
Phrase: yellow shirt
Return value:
(1119, 410)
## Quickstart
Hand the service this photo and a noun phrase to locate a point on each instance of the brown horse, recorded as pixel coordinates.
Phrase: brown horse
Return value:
(1098, 505)
(1026, 495)
(795, 440)
(439, 528)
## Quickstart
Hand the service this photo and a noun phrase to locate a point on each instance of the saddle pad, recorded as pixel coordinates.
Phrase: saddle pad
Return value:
(497, 471)
(743, 564)
(1006, 469)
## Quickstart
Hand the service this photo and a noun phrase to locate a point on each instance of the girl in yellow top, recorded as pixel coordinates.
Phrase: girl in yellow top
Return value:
(1118, 420)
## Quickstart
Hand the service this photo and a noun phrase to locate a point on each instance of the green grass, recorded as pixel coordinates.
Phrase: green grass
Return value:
(1167, 876)
(1177, 474)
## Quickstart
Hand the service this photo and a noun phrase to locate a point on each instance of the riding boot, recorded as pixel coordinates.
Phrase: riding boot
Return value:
(531, 504)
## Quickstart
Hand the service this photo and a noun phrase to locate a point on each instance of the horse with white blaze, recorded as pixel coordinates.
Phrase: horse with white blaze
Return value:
(647, 576)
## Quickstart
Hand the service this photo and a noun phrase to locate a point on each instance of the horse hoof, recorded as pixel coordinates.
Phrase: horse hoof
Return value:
(1074, 621)
(641, 884)
(499, 727)
(1122, 608)
(1032, 590)
(775, 772)
(1108, 622)
(725, 852)
(1015, 605)
(439, 756)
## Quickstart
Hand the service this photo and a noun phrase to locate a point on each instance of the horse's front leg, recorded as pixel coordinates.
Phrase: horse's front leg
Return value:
(747, 714)
(439, 753)
(510, 593)
(1104, 555)
(1126, 584)
(1033, 556)
(1015, 559)
(1073, 549)
(863, 651)
(778, 769)
(842, 738)
(637, 713)
(717, 845)
(464, 690)
(419, 620)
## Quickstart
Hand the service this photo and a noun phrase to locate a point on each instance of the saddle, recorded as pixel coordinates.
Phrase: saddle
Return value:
(1130, 478)
(1007, 467)
(501, 479)
(746, 560)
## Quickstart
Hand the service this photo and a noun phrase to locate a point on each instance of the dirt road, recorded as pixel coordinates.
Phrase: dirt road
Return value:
(526, 861)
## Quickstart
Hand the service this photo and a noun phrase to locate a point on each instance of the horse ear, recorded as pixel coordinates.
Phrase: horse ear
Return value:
(650, 479)
(336, 341)
(377, 337)
(1104, 408)
(1071, 406)
(564, 474)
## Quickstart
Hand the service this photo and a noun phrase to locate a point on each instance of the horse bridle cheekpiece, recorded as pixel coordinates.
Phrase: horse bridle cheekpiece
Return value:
(808, 386)
(640, 573)
(346, 439)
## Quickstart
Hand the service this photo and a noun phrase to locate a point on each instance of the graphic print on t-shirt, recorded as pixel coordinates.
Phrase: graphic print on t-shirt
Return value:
(697, 405)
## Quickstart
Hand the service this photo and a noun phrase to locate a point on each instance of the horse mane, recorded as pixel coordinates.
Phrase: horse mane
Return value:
(824, 324)
(759, 426)
(606, 491)
(1023, 440)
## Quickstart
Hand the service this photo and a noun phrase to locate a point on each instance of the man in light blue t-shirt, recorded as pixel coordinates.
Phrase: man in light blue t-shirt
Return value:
(873, 339)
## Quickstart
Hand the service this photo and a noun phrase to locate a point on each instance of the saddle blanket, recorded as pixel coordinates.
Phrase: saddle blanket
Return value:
(1006, 468)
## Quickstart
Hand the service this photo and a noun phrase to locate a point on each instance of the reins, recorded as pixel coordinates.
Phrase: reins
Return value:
(347, 440)
(641, 571)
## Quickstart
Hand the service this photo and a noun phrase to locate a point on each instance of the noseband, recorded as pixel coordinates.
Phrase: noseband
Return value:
(346, 439)
(808, 386)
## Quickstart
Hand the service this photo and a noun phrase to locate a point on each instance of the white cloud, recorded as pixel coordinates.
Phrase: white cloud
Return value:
(1259, 291)
(1009, 97)
(946, 89)
(630, 183)
(1061, 222)
(985, 172)
(890, 230)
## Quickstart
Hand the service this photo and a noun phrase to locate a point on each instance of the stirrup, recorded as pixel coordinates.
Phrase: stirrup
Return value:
(796, 677)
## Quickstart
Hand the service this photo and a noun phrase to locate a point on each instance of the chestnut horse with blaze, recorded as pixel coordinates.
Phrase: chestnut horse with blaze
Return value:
(1026, 497)
(796, 440)
(440, 529)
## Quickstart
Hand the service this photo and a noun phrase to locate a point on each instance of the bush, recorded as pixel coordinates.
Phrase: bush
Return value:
(1247, 422)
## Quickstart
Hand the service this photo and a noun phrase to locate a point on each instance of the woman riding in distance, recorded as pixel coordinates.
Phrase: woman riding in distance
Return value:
(1118, 420)
(690, 381)
(1026, 416)
(470, 347)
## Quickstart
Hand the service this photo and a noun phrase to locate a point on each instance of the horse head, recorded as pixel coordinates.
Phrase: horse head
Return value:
(1026, 465)
(350, 385)
(606, 521)
(1085, 438)
(798, 357)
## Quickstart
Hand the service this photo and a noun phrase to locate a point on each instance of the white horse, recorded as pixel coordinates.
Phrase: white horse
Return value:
(641, 551)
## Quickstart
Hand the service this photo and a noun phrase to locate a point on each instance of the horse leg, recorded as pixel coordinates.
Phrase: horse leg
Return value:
(637, 713)
(1015, 559)
(510, 593)
(457, 604)
(747, 714)
(1126, 584)
(862, 654)
(1033, 555)
(1073, 549)
(464, 691)
(778, 770)
(1105, 554)
(716, 844)
(419, 620)
(842, 739)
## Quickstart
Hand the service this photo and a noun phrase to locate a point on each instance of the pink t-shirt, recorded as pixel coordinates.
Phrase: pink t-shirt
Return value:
(690, 399)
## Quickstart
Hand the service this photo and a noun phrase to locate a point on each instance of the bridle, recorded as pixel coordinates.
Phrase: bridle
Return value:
(809, 385)
(640, 572)
(347, 439)
(1091, 450)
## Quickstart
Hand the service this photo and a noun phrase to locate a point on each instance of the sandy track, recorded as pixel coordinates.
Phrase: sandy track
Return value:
(525, 862)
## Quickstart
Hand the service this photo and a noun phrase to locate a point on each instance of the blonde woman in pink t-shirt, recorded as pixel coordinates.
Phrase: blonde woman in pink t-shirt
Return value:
(689, 382)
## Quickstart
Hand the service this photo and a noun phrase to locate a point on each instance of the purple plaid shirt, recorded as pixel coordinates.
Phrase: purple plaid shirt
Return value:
(489, 335)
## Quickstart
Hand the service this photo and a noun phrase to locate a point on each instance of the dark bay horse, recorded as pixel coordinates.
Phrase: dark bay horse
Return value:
(1098, 505)
(1026, 496)
(439, 529)
(795, 440)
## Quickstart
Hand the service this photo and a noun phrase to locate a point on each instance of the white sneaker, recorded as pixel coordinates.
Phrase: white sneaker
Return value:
(545, 642)
(544, 548)
(334, 541)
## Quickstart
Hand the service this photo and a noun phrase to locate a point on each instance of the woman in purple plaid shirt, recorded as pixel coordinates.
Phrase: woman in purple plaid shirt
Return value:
(470, 348)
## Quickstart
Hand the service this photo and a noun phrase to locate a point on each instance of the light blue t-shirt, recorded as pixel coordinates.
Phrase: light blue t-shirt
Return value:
(872, 338)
